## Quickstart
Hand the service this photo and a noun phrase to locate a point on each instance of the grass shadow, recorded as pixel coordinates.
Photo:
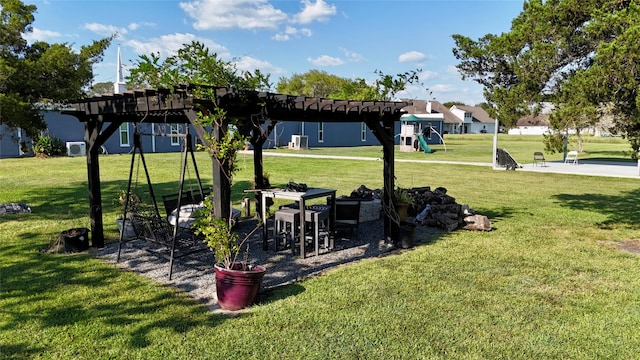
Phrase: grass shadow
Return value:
(43, 291)
(621, 210)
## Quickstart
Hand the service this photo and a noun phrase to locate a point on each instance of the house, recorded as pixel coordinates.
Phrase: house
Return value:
(531, 125)
(13, 143)
(473, 120)
(331, 134)
(450, 123)
(320, 134)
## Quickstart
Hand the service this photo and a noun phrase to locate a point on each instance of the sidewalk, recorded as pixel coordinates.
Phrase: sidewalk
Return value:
(584, 167)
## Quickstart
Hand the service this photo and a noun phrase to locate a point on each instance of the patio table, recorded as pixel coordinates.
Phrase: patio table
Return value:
(300, 197)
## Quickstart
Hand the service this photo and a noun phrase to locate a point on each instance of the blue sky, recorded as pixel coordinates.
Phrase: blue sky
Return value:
(350, 38)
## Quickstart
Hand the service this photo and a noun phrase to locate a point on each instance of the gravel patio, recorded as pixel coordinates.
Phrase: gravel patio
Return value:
(194, 273)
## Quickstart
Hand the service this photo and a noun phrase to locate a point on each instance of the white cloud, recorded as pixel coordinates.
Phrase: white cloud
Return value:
(412, 57)
(306, 32)
(318, 11)
(280, 37)
(167, 45)
(352, 56)
(104, 30)
(427, 75)
(135, 26)
(247, 63)
(225, 14)
(291, 31)
(41, 35)
(325, 60)
(443, 88)
(451, 69)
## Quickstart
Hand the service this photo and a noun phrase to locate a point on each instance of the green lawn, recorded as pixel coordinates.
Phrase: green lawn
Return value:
(478, 148)
(547, 283)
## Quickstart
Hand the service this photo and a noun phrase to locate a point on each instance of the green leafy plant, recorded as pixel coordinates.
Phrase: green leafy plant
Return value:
(218, 234)
(402, 196)
(47, 145)
(134, 204)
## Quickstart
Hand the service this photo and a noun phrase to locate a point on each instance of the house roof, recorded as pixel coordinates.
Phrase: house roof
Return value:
(449, 117)
(418, 107)
(531, 120)
(478, 113)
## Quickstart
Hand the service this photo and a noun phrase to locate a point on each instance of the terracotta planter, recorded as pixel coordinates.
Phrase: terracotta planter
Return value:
(402, 209)
(237, 289)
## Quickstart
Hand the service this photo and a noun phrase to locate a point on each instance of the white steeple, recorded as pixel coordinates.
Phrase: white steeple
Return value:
(119, 86)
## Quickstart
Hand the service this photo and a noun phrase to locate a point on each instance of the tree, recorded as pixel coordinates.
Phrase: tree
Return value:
(101, 88)
(449, 104)
(316, 83)
(387, 86)
(313, 83)
(577, 55)
(31, 75)
(615, 73)
(195, 65)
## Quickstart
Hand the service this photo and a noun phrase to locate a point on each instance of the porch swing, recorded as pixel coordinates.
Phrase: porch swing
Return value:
(171, 232)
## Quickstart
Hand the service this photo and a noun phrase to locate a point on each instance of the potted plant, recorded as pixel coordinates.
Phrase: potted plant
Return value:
(237, 281)
(203, 72)
(405, 231)
(401, 202)
(128, 230)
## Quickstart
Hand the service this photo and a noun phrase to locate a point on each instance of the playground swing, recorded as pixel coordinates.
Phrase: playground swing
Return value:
(170, 232)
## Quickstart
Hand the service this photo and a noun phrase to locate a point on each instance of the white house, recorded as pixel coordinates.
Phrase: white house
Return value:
(473, 119)
(531, 125)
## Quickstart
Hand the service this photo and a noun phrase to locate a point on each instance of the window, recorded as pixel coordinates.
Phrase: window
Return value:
(175, 141)
(124, 135)
(363, 132)
(428, 131)
(320, 132)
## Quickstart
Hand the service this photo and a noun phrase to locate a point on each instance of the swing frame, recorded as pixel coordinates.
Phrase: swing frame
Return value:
(156, 228)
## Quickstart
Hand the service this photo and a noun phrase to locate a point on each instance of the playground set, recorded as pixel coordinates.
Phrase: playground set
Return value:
(414, 136)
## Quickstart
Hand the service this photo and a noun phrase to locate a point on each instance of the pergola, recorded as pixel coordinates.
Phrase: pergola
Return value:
(103, 115)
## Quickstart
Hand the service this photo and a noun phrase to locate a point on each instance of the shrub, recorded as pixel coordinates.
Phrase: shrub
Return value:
(46, 145)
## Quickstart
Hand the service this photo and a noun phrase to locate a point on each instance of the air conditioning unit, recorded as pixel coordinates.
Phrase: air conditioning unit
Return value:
(299, 142)
(76, 148)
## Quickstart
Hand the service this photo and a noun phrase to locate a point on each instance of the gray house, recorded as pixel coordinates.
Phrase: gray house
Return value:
(13, 143)
(300, 135)
(320, 134)
(70, 131)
